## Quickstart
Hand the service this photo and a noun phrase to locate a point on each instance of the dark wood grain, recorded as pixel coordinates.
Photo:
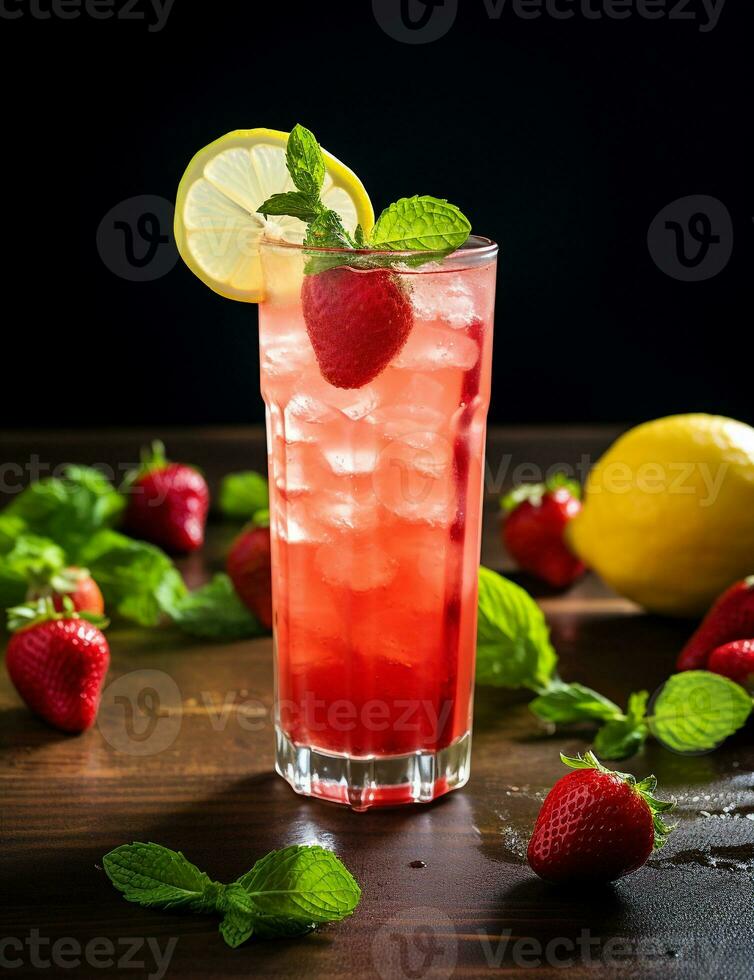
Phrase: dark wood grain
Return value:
(211, 792)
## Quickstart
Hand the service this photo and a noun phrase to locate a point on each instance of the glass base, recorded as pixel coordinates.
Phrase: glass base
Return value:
(361, 783)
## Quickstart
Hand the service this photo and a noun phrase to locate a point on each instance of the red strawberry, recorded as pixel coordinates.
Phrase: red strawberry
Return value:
(58, 663)
(734, 660)
(596, 825)
(167, 503)
(77, 585)
(357, 322)
(536, 516)
(249, 567)
(730, 618)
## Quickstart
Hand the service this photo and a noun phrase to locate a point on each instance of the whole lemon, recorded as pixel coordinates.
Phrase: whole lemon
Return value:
(668, 515)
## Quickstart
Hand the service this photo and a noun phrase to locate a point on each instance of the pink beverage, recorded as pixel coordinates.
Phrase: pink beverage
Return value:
(375, 515)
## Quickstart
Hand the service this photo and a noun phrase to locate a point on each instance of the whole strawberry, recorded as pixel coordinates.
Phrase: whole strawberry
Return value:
(596, 825)
(730, 618)
(357, 322)
(536, 516)
(734, 660)
(57, 662)
(73, 583)
(249, 567)
(167, 503)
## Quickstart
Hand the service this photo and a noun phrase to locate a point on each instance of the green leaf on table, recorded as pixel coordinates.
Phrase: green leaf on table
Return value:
(297, 888)
(564, 704)
(13, 588)
(213, 612)
(624, 736)
(420, 222)
(286, 893)
(696, 710)
(137, 579)
(156, 877)
(238, 915)
(69, 509)
(243, 494)
(513, 640)
(34, 558)
(29, 560)
(10, 528)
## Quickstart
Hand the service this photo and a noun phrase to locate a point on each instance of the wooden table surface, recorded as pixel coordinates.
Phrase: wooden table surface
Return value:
(197, 776)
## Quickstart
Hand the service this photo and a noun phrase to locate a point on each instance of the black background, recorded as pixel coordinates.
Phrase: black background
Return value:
(560, 139)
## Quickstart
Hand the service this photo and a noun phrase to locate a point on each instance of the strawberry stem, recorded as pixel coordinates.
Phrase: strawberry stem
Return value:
(43, 611)
(645, 788)
(534, 492)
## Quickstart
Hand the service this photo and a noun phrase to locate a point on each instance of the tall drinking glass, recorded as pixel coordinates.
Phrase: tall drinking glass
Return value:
(375, 518)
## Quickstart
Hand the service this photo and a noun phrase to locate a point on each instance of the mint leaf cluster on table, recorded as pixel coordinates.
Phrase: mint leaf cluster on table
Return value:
(71, 520)
(694, 711)
(287, 893)
(422, 223)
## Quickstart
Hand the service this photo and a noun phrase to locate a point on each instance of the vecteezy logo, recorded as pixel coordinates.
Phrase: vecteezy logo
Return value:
(141, 712)
(415, 21)
(135, 238)
(692, 238)
(416, 943)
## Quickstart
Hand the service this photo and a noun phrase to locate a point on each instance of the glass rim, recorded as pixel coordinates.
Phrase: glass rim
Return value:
(476, 246)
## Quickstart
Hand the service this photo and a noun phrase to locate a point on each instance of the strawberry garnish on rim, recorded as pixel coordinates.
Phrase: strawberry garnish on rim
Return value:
(357, 322)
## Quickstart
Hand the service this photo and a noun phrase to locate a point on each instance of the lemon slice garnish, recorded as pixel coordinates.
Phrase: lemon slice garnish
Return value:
(217, 226)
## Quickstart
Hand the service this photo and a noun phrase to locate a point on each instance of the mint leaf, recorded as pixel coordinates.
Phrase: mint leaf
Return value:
(564, 704)
(69, 510)
(213, 612)
(292, 203)
(696, 710)
(13, 588)
(243, 494)
(420, 223)
(305, 162)
(34, 558)
(29, 561)
(298, 887)
(286, 893)
(10, 528)
(137, 579)
(513, 641)
(327, 231)
(238, 915)
(156, 877)
(624, 736)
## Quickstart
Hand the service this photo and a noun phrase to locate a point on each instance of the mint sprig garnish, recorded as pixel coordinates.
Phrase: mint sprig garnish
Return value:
(420, 223)
(287, 892)
(645, 788)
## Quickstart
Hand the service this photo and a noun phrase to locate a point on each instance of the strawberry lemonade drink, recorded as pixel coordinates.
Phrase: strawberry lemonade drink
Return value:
(375, 350)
